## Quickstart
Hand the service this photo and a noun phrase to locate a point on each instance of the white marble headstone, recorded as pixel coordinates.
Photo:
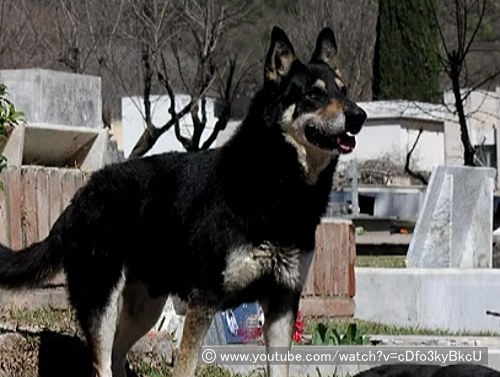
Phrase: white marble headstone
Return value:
(455, 225)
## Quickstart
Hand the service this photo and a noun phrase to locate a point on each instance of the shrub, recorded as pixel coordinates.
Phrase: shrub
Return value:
(9, 117)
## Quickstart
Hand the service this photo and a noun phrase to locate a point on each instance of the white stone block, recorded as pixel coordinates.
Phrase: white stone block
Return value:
(452, 299)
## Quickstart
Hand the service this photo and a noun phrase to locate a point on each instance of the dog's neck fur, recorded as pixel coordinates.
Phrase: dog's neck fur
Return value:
(259, 149)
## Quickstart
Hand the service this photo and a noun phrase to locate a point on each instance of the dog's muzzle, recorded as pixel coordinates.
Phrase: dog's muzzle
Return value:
(337, 133)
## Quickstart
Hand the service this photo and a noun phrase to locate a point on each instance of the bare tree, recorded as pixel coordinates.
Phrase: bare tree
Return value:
(200, 29)
(144, 37)
(469, 17)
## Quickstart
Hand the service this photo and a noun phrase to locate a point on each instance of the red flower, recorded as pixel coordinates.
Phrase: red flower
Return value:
(297, 337)
(298, 328)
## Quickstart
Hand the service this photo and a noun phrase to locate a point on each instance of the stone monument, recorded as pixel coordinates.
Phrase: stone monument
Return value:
(455, 224)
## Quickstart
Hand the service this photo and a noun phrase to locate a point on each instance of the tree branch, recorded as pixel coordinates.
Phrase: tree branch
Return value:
(408, 170)
(148, 76)
(175, 50)
(481, 83)
(227, 105)
(174, 117)
(476, 29)
(440, 31)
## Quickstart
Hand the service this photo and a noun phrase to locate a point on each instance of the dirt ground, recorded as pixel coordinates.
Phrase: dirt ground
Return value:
(45, 354)
(49, 344)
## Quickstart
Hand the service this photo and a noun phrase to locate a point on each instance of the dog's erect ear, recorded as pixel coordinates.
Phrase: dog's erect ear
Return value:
(279, 58)
(326, 48)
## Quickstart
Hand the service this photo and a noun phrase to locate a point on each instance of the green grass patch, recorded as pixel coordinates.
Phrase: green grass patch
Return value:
(374, 328)
(44, 318)
(161, 369)
(217, 371)
(381, 261)
(65, 321)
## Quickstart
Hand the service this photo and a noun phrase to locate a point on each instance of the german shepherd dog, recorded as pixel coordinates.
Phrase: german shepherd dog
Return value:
(217, 228)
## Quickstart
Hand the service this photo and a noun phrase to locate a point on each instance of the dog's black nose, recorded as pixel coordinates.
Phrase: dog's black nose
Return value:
(355, 117)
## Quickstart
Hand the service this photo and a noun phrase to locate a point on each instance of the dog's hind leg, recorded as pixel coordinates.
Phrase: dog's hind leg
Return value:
(97, 301)
(99, 328)
(139, 313)
(196, 324)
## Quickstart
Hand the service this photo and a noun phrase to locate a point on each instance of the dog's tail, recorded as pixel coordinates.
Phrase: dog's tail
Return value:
(30, 266)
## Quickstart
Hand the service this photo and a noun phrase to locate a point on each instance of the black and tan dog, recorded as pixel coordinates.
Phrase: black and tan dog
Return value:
(217, 228)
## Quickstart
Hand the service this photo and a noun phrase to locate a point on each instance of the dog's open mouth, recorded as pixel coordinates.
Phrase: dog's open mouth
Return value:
(345, 142)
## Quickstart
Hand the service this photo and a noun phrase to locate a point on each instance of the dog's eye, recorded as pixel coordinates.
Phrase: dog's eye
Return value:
(343, 90)
(316, 93)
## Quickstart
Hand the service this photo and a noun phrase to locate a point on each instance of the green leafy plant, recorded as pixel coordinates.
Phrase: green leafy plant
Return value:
(330, 335)
(9, 115)
(9, 118)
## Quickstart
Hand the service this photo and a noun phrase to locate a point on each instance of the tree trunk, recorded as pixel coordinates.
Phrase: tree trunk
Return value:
(464, 132)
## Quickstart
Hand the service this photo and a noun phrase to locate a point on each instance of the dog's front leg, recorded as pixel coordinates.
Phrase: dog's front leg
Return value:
(196, 324)
(280, 312)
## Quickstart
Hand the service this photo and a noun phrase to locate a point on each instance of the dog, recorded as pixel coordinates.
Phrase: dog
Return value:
(217, 228)
(429, 370)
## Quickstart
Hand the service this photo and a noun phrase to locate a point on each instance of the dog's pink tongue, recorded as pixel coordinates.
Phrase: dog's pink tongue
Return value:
(346, 143)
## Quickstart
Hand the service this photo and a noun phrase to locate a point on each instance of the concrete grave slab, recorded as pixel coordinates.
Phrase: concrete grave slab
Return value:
(57, 146)
(55, 97)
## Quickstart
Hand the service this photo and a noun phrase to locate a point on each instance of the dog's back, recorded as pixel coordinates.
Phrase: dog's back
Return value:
(423, 370)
